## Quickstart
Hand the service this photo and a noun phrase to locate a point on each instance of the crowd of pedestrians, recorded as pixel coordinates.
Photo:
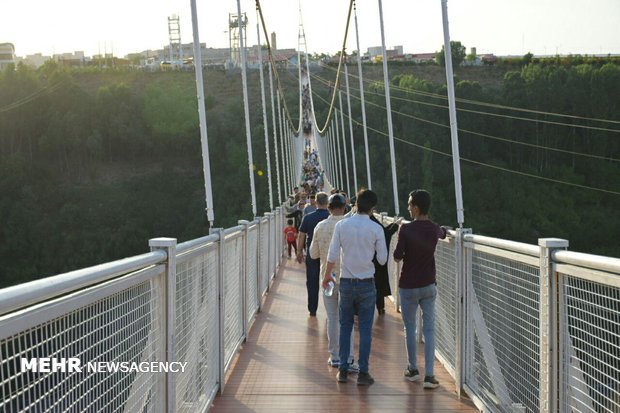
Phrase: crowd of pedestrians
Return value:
(345, 251)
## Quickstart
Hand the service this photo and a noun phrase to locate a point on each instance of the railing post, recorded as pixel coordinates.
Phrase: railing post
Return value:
(548, 331)
(170, 246)
(267, 253)
(279, 228)
(461, 312)
(244, 276)
(220, 303)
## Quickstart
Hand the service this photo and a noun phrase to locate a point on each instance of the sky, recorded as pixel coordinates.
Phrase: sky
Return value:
(501, 27)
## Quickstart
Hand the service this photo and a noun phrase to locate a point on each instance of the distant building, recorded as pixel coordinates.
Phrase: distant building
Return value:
(423, 57)
(35, 60)
(274, 43)
(76, 58)
(376, 53)
(7, 55)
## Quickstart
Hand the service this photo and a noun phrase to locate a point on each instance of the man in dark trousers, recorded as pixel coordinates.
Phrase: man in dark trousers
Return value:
(417, 284)
(306, 232)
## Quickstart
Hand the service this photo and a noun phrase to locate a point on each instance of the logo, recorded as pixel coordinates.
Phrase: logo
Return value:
(72, 364)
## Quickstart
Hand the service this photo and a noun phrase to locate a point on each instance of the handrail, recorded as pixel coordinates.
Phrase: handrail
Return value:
(194, 243)
(597, 262)
(520, 247)
(22, 295)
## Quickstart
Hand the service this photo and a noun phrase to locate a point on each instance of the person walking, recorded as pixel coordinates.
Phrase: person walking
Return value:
(318, 250)
(291, 236)
(417, 284)
(306, 232)
(358, 240)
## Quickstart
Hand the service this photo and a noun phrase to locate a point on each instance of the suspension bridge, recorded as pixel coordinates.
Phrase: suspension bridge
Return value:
(519, 327)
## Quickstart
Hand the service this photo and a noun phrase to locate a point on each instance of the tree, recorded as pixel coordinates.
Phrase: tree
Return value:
(458, 54)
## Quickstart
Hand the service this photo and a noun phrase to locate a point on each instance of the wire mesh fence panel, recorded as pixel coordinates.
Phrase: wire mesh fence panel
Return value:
(504, 306)
(123, 327)
(264, 251)
(446, 305)
(589, 334)
(196, 329)
(252, 272)
(233, 296)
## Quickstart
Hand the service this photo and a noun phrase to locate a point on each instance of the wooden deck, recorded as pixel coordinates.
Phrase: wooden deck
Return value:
(283, 365)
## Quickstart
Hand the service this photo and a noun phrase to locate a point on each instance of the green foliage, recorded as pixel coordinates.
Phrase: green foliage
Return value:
(458, 54)
(94, 163)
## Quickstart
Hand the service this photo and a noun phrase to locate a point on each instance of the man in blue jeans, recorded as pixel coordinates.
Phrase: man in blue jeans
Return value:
(304, 239)
(358, 239)
(417, 285)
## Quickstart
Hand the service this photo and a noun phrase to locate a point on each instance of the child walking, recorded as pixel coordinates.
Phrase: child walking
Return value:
(291, 236)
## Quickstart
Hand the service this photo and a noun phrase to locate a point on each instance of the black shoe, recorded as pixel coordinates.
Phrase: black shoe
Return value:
(342, 376)
(412, 374)
(365, 379)
(430, 382)
(381, 311)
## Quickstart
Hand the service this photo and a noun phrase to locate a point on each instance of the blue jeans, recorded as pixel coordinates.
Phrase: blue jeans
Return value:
(361, 295)
(313, 268)
(410, 298)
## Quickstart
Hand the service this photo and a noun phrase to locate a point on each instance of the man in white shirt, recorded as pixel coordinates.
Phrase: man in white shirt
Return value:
(318, 250)
(359, 239)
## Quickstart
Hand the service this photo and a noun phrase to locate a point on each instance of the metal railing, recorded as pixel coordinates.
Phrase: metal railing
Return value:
(521, 328)
(192, 302)
(529, 328)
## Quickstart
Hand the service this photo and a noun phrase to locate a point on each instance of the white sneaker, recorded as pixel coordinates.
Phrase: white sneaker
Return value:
(354, 368)
(333, 363)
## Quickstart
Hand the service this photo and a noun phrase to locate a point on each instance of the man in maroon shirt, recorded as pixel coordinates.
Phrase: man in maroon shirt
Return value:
(417, 286)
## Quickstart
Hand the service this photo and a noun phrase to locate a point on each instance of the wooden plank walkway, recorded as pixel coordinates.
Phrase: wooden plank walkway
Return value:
(283, 365)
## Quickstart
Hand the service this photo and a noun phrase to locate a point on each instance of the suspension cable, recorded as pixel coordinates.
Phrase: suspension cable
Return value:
(344, 145)
(346, 77)
(265, 127)
(361, 78)
(246, 108)
(272, 62)
(275, 136)
(340, 60)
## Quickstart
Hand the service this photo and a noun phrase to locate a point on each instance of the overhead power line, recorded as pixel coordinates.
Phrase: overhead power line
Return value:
(485, 164)
(493, 105)
(484, 135)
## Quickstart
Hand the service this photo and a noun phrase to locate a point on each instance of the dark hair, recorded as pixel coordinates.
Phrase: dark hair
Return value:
(421, 199)
(289, 222)
(366, 200)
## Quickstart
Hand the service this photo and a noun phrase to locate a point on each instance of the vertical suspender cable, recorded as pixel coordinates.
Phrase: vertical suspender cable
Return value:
(202, 116)
(329, 159)
(291, 148)
(262, 95)
(456, 160)
(291, 162)
(344, 145)
(275, 136)
(248, 132)
(338, 151)
(346, 78)
(285, 183)
(389, 113)
(359, 69)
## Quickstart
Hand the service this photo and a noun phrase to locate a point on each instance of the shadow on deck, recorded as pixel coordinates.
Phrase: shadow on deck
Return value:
(283, 365)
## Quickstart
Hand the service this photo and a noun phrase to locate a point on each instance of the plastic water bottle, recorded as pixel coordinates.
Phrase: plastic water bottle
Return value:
(330, 286)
